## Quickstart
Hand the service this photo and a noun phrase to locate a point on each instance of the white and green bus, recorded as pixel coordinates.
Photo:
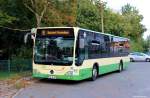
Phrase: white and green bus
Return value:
(73, 53)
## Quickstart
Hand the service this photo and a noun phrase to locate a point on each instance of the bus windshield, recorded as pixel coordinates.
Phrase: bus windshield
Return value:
(54, 49)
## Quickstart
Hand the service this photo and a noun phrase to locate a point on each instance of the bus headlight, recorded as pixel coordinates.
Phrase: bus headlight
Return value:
(74, 70)
(35, 71)
(69, 73)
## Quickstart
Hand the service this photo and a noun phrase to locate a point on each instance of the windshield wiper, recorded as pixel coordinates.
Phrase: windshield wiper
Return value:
(56, 62)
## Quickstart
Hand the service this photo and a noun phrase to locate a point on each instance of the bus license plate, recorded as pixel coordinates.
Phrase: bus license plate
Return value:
(52, 77)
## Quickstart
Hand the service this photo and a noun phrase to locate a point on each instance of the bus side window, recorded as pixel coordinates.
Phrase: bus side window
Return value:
(91, 48)
(105, 52)
(120, 47)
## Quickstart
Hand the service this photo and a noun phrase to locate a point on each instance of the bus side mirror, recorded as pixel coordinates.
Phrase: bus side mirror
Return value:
(26, 37)
(32, 34)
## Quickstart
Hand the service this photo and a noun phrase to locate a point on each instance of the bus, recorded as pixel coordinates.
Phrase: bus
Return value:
(73, 53)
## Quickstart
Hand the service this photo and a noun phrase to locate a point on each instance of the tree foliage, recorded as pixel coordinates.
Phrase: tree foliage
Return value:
(87, 15)
(24, 14)
(5, 19)
(146, 44)
(133, 27)
(38, 8)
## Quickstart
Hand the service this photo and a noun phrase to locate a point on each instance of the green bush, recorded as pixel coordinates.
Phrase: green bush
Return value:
(136, 46)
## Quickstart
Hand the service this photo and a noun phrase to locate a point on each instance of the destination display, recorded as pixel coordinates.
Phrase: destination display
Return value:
(53, 32)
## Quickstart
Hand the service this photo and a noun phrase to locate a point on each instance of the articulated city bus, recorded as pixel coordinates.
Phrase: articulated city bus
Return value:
(73, 53)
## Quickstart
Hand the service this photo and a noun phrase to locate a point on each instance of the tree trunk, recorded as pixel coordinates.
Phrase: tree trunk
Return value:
(38, 20)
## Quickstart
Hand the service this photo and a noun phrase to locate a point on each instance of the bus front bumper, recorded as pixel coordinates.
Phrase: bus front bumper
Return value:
(62, 77)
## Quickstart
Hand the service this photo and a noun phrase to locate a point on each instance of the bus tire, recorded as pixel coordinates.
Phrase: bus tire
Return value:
(131, 60)
(94, 73)
(120, 66)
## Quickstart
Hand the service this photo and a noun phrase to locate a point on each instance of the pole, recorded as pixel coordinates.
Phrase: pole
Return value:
(102, 15)
(74, 12)
(102, 18)
(9, 66)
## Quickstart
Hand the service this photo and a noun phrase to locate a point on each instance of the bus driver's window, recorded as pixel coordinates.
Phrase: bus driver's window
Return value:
(80, 49)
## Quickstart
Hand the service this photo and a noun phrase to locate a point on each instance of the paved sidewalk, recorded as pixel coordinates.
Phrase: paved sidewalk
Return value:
(8, 88)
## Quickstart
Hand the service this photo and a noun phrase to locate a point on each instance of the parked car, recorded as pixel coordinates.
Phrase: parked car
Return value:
(138, 56)
(148, 53)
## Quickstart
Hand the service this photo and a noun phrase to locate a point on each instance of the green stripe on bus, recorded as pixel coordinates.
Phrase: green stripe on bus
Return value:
(83, 73)
(111, 67)
(108, 68)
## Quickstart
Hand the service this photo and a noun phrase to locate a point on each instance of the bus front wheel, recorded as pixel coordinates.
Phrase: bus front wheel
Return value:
(94, 73)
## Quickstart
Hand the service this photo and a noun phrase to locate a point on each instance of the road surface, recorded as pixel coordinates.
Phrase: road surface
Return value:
(133, 82)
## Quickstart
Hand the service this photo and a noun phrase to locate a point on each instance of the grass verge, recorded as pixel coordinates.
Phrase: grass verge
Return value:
(13, 75)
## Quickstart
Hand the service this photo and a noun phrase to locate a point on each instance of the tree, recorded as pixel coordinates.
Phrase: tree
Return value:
(146, 44)
(100, 6)
(126, 9)
(88, 15)
(5, 19)
(132, 22)
(38, 8)
(113, 22)
(25, 14)
(22, 17)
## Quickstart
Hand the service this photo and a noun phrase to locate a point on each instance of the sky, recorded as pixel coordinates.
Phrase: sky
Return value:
(142, 5)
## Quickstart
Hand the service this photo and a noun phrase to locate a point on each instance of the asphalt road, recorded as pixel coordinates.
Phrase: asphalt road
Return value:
(133, 82)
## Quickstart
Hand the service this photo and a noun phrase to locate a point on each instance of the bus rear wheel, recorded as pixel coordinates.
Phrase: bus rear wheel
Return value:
(94, 73)
(131, 60)
(120, 66)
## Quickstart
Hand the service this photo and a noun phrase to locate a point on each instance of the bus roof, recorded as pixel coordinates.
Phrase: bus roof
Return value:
(85, 30)
(104, 33)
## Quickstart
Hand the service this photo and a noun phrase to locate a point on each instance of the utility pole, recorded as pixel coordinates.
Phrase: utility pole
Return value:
(74, 12)
(101, 9)
(102, 16)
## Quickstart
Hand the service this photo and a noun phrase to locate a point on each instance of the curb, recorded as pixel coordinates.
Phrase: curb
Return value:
(13, 96)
